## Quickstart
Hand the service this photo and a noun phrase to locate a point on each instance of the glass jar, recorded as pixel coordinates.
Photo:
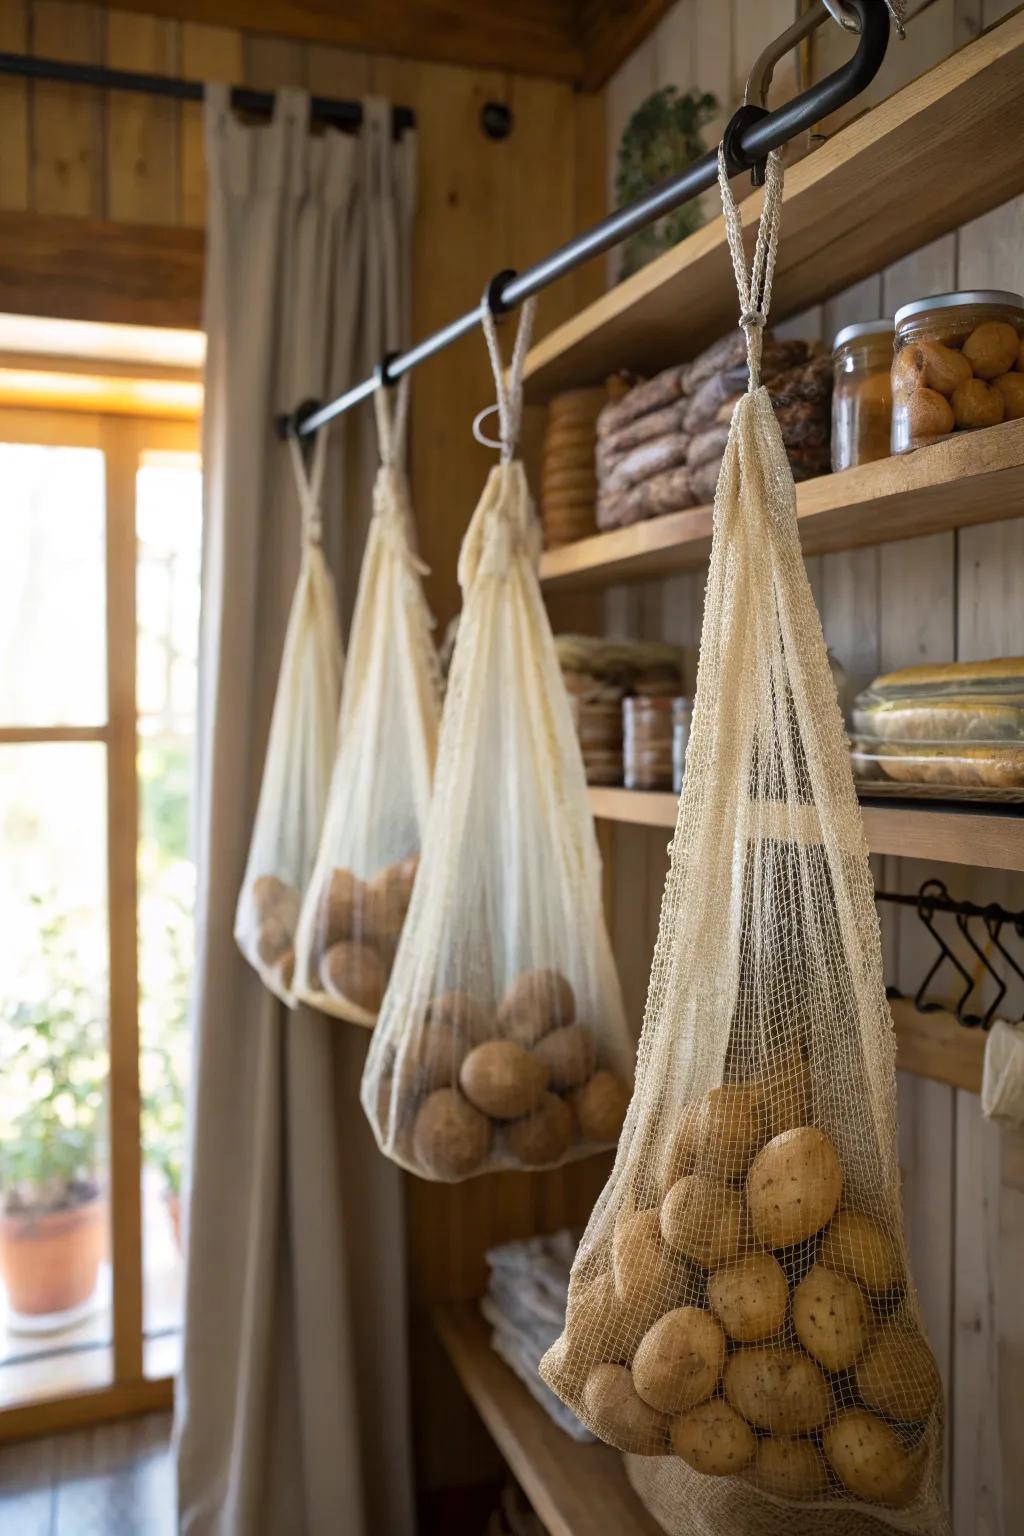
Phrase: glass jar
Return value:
(957, 365)
(682, 714)
(647, 742)
(861, 393)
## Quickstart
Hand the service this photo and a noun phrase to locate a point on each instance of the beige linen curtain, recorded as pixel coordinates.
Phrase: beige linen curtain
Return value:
(292, 1408)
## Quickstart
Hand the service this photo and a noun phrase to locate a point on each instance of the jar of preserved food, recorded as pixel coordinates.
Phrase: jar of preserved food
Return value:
(957, 365)
(682, 715)
(647, 742)
(861, 393)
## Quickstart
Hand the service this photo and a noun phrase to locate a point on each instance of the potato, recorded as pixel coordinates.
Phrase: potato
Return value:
(977, 404)
(502, 1079)
(386, 902)
(898, 1375)
(466, 1016)
(271, 894)
(678, 1361)
(341, 908)
(792, 1469)
(787, 1092)
(619, 1414)
(273, 940)
(793, 1187)
(712, 1438)
(1011, 387)
(831, 1319)
(286, 969)
(856, 1246)
(354, 973)
(992, 348)
(541, 1137)
(569, 1055)
(644, 1268)
(750, 1298)
(396, 1114)
(777, 1389)
(929, 414)
(536, 1003)
(604, 1326)
(704, 1220)
(682, 1146)
(450, 1138)
(942, 368)
(732, 1128)
(870, 1460)
(430, 1058)
(600, 1108)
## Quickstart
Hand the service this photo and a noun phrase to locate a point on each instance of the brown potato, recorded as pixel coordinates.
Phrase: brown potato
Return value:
(644, 1268)
(430, 1058)
(541, 1137)
(450, 1138)
(502, 1079)
(898, 1375)
(536, 1003)
(856, 1246)
(386, 902)
(342, 908)
(466, 1016)
(618, 1413)
(793, 1187)
(269, 893)
(1011, 387)
(750, 1298)
(992, 348)
(682, 1146)
(569, 1054)
(732, 1128)
(870, 1459)
(273, 940)
(929, 414)
(600, 1108)
(977, 404)
(286, 969)
(679, 1360)
(704, 1220)
(942, 368)
(831, 1318)
(712, 1438)
(602, 1326)
(787, 1092)
(792, 1469)
(354, 973)
(777, 1389)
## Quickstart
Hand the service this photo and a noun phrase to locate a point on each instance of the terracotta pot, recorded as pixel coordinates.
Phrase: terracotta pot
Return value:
(173, 1204)
(50, 1263)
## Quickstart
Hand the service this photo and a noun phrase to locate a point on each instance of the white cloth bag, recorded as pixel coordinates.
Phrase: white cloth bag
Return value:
(300, 751)
(1002, 1079)
(501, 1041)
(356, 900)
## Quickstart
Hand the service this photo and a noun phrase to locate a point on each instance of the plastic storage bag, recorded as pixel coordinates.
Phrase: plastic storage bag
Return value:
(356, 900)
(300, 751)
(502, 1040)
(741, 1315)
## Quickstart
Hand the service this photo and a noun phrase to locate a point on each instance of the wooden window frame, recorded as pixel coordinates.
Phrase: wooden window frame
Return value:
(123, 441)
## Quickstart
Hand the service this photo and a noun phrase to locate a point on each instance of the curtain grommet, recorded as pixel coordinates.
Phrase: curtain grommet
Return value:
(491, 300)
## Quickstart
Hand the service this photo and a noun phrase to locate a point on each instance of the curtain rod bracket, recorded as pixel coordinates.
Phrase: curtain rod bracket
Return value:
(492, 295)
(292, 423)
(382, 374)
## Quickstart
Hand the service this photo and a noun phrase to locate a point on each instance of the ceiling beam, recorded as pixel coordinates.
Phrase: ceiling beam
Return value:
(610, 30)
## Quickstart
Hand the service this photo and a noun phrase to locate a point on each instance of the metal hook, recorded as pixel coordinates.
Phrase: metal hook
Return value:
(974, 1020)
(926, 912)
(491, 298)
(734, 163)
(381, 373)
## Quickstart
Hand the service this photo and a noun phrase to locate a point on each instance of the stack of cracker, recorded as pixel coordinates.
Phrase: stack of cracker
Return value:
(568, 482)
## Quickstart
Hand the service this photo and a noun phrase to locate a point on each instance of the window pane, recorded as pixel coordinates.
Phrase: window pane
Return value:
(168, 524)
(52, 586)
(55, 1324)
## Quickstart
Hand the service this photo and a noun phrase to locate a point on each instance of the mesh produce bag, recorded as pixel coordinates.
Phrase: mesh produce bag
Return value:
(502, 1042)
(741, 1314)
(300, 750)
(356, 900)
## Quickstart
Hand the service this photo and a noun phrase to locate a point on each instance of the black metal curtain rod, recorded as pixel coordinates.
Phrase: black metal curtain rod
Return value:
(750, 135)
(322, 109)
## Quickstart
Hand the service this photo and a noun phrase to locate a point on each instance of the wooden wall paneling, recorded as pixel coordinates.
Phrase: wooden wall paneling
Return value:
(67, 120)
(207, 53)
(273, 62)
(337, 73)
(14, 161)
(142, 131)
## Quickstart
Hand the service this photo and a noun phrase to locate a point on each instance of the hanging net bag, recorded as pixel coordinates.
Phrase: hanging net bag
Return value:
(502, 1040)
(300, 751)
(356, 900)
(741, 1314)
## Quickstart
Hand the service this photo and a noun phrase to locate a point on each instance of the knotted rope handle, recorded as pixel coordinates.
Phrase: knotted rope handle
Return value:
(755, 291)
(508, 393)
(308, 486)
(392, 423)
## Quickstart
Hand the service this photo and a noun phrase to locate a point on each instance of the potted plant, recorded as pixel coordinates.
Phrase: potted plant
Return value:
(53, 1218)
(660, 140)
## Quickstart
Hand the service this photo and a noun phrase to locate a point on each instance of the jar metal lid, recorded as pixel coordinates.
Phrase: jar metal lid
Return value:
(862, 328)
(956, 300)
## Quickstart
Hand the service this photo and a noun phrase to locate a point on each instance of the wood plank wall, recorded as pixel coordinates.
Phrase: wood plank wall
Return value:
(954, 595)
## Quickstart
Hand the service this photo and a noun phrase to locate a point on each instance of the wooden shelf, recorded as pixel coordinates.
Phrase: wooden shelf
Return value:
(938, 153)
(973, 477)
(987, 837)
(577, 1490)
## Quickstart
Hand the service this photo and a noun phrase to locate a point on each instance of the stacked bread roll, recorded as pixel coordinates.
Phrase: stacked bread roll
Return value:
(659, 448)
(568, 484)
(599, 674)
